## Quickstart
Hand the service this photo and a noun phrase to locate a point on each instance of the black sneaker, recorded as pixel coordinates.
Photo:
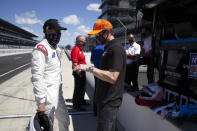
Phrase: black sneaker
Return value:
(80, 109)
(136, 89)
(132, 89)
(85, 103)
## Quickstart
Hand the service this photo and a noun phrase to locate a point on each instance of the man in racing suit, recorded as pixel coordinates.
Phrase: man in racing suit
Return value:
(46, 77)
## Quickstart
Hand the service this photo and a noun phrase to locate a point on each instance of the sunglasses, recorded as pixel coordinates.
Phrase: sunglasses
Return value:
(101, 33)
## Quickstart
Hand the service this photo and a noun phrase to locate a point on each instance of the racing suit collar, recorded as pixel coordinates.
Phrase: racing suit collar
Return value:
(45, 40)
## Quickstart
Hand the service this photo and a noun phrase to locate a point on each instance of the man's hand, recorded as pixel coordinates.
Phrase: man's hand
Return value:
(74, 64)
(82, 67)
(130, 54)
(78, 72)
(41, 108)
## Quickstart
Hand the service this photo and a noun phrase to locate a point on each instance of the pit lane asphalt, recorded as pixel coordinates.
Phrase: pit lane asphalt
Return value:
(13, 64)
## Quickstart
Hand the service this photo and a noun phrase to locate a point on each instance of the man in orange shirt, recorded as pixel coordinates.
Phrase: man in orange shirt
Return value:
(78, 58)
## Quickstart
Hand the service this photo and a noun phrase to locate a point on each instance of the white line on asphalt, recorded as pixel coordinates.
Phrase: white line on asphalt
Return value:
(29, 115)
(14, 70)
(14, 116)
(18, 58)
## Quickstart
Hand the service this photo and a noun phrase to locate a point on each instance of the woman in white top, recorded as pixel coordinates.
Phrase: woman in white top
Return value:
(147, 52)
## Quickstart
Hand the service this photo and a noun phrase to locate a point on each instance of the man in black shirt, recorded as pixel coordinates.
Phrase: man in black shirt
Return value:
(110, 76)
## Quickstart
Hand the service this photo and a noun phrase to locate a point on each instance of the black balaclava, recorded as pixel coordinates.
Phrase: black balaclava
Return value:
(131, 40)
(53, 38)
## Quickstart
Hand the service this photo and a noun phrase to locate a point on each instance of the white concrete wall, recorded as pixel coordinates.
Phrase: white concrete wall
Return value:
(5, 52)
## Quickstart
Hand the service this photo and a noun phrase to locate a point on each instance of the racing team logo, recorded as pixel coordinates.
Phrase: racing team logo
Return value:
(193, 65)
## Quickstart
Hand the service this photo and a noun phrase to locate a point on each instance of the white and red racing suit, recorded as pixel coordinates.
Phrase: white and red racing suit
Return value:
(46, 80)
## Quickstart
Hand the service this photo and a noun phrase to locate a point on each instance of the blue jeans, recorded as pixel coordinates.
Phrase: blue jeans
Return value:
(107, 117)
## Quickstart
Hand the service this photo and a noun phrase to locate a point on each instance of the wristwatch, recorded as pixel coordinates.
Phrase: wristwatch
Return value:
(91, 68)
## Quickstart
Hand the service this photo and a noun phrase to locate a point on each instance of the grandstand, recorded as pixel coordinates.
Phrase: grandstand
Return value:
(12, 36)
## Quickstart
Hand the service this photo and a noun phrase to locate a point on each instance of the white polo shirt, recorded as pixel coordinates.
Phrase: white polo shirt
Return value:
(132, 50)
